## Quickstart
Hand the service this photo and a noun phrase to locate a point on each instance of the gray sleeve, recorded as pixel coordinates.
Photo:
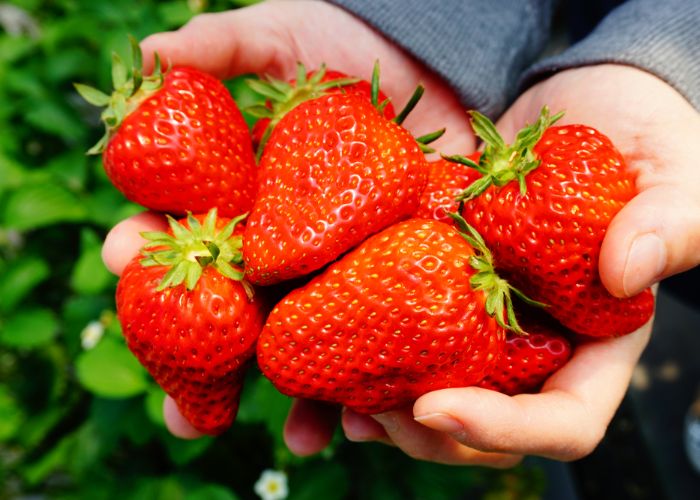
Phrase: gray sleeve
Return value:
(662, 37)
(479, 47)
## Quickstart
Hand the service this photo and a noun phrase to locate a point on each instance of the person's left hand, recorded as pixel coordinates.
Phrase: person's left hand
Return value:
(655, 235)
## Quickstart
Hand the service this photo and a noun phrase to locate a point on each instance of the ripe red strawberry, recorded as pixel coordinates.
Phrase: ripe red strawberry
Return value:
(414, 308)
(175, 142)
(189, 318)
(543, 206)
(446, 180)
(311, 86)
(333, 172)
(528, 360)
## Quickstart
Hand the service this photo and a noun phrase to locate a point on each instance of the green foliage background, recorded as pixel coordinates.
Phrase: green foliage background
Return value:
(80, 422)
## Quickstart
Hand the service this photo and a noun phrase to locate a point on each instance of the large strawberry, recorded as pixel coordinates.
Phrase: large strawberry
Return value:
(446, 180)
(528, 360)
(284, 96)
(175, 141)
(414, 308)
(190, 319)
(543, 206)
(333, 172)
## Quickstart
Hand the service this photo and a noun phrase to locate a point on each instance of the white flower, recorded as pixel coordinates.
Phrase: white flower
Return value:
(92, 334)
(16, 21)
(272, 485)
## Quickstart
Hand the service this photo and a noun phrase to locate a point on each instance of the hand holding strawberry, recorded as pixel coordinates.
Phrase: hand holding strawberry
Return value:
(657, 233)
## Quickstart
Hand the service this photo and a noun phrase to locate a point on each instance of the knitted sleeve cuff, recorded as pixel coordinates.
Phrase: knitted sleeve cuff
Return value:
(479, 47)
(662, 38)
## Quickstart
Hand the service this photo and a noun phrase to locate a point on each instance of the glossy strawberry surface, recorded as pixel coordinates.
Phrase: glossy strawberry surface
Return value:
(393, 319)
(528, 360)
(334, 172)
(549, 238)
(446, 180)
(362, 88)
(185, 147)
(195, 343)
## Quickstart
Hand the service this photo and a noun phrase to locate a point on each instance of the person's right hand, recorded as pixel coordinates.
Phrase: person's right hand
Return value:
(270, 38)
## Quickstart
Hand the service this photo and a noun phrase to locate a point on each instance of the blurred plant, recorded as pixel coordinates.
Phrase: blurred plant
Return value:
(79, 417)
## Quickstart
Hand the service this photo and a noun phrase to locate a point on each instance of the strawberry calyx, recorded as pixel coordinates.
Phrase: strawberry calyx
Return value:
(424, 140)
(192, 247)
(499, 301)
(284, 96)
(501, 163)
(131, 88)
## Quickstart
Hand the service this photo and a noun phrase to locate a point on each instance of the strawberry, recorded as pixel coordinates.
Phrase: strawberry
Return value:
(334, 171)
(190, 319)
(414, 308)
(543, 206)
(446, 180)
(175, 141)
(528, 360)
(311, 85)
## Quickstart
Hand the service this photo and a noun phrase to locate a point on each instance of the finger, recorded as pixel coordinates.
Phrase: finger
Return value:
(422, 443)
(225, 44)
(655, 235)
(566, 421)
(310, 425)
(124, 241)
(358, 428)
(176, 423)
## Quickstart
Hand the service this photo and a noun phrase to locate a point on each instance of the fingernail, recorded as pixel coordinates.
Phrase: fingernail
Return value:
(440, 422)
(645, 263)
(389, 421)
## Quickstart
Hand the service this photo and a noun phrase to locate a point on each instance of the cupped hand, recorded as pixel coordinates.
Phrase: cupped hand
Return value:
(472, 426)
(656, 235)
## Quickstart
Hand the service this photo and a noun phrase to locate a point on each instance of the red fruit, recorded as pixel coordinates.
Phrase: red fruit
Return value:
(361, 87)
(528, 360)
(543, 207)
(446, 180)
(176, 142)
(189, 319)
(334, 171)
(402, 314)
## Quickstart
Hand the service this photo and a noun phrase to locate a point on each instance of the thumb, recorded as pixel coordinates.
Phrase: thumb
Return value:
(657, 234)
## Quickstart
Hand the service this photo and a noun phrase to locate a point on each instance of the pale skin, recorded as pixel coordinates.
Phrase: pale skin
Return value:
(650, 122)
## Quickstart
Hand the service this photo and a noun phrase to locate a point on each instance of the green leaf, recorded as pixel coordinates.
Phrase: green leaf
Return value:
(111, 371)
(154, 405)
(90, 276)
(319, 480)
(37, 205)
(168, 488)
(12, 174)
(57, 119)
(175, 14)
(19, 279)
(29, 328)
(11, 415)
(70, 168)
(211, 492)
(183, 451)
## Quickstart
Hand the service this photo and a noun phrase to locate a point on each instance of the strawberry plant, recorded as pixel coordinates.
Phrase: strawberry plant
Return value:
(79, 415)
